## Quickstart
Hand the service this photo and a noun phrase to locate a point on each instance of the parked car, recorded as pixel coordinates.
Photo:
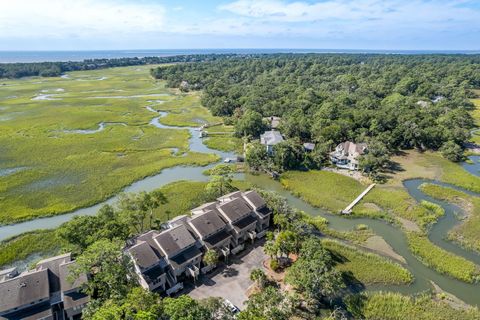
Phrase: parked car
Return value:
(231, 306)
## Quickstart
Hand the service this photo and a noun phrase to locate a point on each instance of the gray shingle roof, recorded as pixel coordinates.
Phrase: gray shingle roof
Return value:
(235, 209)
(207, 223)
(24, 289)
(53, 265)
(173, 240)
(65, 282)
(271, 138)
(148, 237)
(255, 199)
(143, 255)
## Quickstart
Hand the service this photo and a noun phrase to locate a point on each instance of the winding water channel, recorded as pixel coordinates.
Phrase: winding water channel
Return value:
(470, 293)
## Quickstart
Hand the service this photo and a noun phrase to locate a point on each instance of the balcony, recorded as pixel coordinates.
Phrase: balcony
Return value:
(193, 271)
(225, 251)
(176, 288)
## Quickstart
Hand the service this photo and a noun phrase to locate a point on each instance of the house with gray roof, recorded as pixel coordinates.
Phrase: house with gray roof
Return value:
(270, 139)
(26, 296)
(74, 301)
(211, 230)
(262, 212)
(347, 155)
(163, 260)
(241, 219)
(180, 249)
(149, 263)
(42, 293)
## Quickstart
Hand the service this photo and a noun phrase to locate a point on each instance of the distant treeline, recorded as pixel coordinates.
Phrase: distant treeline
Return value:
(54, 69)
(400, 101)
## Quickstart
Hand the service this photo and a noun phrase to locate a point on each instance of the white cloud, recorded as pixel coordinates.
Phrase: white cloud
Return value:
(77, 18)
(367, 11)
(140, 23)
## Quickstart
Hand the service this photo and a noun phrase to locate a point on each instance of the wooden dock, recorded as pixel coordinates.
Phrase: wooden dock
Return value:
(349, 208)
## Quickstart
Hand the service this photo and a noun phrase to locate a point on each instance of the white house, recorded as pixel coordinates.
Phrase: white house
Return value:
(347, 154)
(271, 138)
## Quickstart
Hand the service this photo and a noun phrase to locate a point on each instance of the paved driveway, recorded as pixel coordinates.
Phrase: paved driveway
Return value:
(230, 281)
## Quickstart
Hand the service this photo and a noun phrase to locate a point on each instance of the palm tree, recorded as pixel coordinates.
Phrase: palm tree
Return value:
(259, 277)
(152, 201)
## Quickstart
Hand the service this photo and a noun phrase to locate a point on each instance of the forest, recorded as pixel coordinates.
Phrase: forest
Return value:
(392, 102)
(55, 69)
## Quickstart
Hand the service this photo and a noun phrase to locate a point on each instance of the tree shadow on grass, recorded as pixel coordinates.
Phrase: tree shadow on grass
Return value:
(353, 285)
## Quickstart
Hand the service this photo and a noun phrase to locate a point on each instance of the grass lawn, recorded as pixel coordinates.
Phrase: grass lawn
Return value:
(395, 306)
(46, 168)
(366, 267)
(441, 260)
(466, 234)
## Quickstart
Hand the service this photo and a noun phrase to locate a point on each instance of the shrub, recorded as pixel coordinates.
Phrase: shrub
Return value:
(274, 265)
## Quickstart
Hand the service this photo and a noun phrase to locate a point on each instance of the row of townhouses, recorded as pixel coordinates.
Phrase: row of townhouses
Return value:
(163, 260)
(46, 292)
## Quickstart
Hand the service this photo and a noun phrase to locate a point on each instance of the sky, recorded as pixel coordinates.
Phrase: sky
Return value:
(197, 24)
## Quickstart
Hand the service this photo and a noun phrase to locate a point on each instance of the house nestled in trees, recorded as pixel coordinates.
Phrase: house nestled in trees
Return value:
(46, 292)
(347, 154)
(270, 139)
(164, 260)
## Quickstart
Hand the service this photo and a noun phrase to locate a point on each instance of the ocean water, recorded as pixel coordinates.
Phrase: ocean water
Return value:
(50, 56)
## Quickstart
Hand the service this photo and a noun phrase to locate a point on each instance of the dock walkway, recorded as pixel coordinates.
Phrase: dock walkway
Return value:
(349, 208)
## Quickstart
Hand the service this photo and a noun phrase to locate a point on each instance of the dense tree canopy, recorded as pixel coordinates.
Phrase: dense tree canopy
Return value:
(403, 101)
(54, 69)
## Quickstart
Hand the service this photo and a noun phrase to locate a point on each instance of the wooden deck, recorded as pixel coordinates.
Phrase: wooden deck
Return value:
(349, 208)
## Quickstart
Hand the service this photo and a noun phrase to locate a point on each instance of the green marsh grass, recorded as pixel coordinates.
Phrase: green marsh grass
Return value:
(322, 189)
(63, 171)
(395, 306)
(467, 234)
(441, 260)
(41, 242)
(366, 267)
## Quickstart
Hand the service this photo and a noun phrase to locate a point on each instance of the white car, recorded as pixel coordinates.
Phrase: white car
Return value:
(230, 306)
